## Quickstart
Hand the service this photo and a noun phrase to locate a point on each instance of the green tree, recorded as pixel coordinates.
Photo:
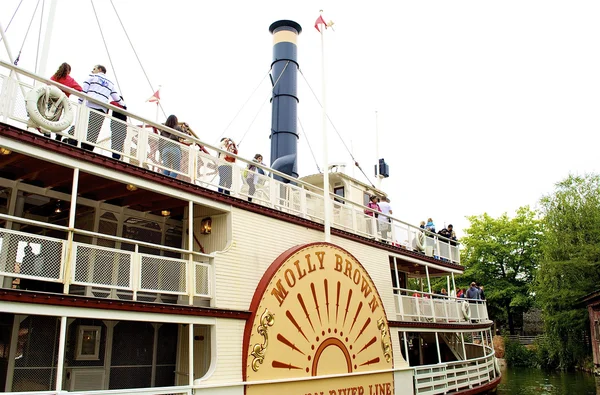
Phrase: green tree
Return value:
(502, 254)
(570, 267)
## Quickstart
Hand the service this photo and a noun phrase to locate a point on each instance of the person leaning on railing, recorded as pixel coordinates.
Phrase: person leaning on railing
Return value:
(225, 171)
(170, 152)
(63, 77)
(102, 89)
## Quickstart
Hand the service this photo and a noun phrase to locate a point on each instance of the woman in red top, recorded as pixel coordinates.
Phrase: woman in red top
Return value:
(62, 77)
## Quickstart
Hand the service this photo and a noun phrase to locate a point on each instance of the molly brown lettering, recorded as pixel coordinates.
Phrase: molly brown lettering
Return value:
(356, 277)
(291, 277)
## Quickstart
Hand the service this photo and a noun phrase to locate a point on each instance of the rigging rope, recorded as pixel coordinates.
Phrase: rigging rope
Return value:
(252, 94)
(106, 47)
(12, 17)
(243, 105)
(309, 146)
(253, 119)
(138, 58)
(274, 85)
(26, 33)
(338, 133)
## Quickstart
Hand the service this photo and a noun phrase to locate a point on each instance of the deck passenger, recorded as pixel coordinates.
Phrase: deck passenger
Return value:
(170, 151)
(226, 170)
(385, 223)
(252, 173)
(62, 76)
(102, 89)
(118, 130)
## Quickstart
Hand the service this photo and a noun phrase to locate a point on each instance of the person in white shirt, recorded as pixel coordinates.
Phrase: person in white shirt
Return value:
(385, 222)
(102, 89)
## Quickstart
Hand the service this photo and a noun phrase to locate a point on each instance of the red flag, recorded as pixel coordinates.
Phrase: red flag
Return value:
(320, 21)
(155, 98)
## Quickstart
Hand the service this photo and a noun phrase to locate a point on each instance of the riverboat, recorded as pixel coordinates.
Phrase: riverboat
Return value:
(119, 279)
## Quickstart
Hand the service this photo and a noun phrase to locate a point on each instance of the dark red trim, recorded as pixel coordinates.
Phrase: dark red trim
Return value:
(483, 388)
(435, 325)
(77, 153)
(12, 295)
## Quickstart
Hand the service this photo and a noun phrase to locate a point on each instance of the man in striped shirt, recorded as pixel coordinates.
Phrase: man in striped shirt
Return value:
(102, 89)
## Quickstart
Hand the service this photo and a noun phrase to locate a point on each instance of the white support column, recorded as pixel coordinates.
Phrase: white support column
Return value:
(406, 347)
(462, 338)
(60, 365)
(156, 327)
(110, 330)
(12, 352)
(70, 255)
(431, 293)
(191, 354)
(136, 271)
(437, 345)
(454, 285)
(191, 277)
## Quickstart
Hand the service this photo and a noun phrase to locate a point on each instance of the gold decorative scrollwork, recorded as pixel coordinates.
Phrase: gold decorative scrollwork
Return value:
(385, 344)
(258, 350)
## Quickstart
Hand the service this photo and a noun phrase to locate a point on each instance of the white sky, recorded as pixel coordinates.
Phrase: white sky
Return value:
(482, 106)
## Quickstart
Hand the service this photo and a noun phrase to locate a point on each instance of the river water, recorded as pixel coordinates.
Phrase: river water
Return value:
(524, 381)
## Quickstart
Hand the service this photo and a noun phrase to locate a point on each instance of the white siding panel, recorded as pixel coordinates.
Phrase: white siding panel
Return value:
(229, 337)
(258, 240)
(399, 361)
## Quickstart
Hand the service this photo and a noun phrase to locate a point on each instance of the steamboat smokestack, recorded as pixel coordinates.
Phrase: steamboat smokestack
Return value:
(284, 73)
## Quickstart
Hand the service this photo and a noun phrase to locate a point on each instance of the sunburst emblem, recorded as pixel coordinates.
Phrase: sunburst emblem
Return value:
(330, 317)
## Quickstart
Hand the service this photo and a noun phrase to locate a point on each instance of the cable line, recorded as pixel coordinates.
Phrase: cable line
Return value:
(309, 146)
(137, 57)
(27, 33)
(37, 53)
(338, 133)
(12, 17)
(106, 47)
(243, 105)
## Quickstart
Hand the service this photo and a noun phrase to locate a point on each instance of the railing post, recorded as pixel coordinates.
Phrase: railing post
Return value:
(303, 203)
(236, 180)
(136, 271)
(142, 146)
(81, 126)
(192, 163)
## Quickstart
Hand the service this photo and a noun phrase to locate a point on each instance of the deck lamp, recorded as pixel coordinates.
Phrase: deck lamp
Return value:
(165, 213)
(131, 187)
(206, 226)
(4, 151)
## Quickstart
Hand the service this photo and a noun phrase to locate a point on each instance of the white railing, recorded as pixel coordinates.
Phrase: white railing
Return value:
(450, 377)
(140, 143)
(102, 268)
(420, 306)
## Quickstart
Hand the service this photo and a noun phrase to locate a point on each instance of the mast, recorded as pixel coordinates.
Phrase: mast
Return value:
(47, 39)
(326, 199)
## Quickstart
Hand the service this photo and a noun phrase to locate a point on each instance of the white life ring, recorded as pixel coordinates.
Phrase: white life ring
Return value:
(466, 310)
(49, 108)
(420, 241)
(497, 366)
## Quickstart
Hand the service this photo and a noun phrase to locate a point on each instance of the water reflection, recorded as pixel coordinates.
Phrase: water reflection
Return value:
(521, 381)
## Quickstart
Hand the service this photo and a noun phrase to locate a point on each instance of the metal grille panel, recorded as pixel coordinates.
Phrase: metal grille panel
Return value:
(102, 266)
(202, 279)
(25, 255)
(162, 274)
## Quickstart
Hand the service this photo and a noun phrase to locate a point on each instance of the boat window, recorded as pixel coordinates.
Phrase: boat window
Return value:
(339, 191)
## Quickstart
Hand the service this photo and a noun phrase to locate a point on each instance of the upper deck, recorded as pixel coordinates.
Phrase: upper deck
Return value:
(130, 236)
